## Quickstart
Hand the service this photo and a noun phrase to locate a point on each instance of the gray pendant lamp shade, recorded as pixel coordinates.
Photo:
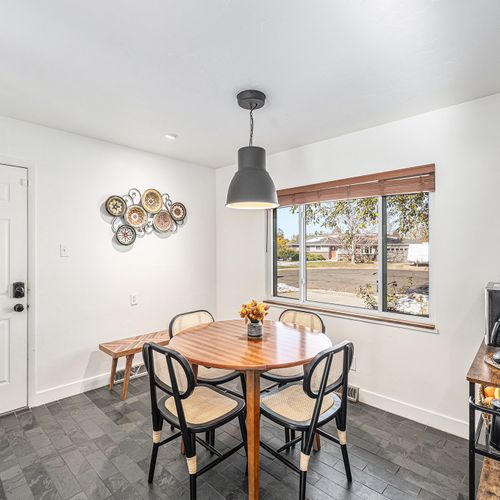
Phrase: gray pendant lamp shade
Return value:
(251, 187)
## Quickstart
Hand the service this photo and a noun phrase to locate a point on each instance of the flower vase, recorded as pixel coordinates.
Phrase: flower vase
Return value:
(254, 330)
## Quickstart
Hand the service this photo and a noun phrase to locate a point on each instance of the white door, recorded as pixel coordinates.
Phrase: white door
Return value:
(13, 269)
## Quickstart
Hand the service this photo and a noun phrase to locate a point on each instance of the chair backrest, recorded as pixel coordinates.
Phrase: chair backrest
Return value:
(302, 318)
(168, 370)
(188, 320)
(328, 371)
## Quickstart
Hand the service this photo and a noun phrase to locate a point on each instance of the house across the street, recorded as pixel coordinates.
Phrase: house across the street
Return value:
(331, 247)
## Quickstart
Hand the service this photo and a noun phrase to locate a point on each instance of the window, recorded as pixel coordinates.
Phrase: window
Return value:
(349, 227)
(367, 252)
(407, 271)
(286, 251)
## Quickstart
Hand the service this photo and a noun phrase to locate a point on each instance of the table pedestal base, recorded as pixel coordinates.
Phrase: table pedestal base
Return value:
(253, 431)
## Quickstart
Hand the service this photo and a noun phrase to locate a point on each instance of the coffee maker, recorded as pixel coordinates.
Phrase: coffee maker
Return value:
(492, 305)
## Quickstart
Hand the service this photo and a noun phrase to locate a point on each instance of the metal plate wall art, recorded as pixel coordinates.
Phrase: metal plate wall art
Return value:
(162, 221)
(116, 206)
(125, 235)
(152, 201)
(135, 214)
(178, 211)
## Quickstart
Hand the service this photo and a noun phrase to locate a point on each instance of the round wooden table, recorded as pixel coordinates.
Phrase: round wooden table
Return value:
(224, 344)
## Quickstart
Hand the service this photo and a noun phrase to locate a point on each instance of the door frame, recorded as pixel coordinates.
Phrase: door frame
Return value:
(31, 289)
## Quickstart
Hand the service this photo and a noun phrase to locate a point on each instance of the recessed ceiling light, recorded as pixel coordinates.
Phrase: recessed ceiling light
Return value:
(171, 137)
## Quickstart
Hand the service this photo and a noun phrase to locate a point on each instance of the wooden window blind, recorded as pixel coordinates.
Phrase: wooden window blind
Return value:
(401, 181)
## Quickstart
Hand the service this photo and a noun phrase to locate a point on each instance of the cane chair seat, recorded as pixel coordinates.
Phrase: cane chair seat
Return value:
(292, 405)
(205, 405)
(206, 373)
(292, 371)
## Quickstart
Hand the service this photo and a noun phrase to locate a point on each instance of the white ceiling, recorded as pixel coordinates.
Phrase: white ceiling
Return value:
(129, 71)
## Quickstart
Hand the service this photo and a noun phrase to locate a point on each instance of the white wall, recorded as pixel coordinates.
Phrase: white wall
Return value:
(80, 301)
(416, 374)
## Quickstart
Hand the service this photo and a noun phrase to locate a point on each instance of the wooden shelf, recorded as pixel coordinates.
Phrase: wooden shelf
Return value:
(489, 484)
(481, 372)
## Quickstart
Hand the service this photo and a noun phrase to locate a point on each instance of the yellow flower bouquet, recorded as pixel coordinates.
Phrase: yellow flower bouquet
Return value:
(255, 312)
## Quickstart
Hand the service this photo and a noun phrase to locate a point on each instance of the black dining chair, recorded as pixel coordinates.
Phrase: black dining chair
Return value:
(282, 376)
(188, 406)
(206, 375)
(308, 405)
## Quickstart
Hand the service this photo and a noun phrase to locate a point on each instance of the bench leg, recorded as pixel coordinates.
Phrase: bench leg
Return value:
(128, 368)
(317, 442)
(114, 362)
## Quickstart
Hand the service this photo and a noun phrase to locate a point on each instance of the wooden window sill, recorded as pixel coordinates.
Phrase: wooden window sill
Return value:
(430, 327)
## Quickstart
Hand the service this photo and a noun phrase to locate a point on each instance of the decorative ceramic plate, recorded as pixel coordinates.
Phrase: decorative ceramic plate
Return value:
(178, 211)
(162, 221)
(152, 201)
(136, 216)
(116, 206)
(125, 235)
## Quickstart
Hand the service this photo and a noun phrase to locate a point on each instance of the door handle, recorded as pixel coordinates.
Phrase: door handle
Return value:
(18, 308)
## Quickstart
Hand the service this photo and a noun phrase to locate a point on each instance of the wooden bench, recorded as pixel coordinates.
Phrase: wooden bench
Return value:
(128, 348)
(489, 484)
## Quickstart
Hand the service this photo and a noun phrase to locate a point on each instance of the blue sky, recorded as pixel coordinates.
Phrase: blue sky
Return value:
(289, 223)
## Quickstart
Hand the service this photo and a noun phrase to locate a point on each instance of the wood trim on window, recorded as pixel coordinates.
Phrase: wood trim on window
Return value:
(354, 315)
(400, 181)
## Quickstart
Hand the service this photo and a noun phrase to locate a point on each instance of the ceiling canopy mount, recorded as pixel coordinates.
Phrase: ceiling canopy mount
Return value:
(251, 99)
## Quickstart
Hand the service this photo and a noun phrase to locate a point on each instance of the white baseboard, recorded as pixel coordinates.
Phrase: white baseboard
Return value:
(427, 417)
(71, 389)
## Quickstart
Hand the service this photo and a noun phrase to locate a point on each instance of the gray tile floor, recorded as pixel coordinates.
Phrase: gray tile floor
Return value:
(95, 446)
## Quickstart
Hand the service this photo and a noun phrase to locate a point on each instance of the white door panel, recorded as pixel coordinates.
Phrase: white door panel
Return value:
(13, 268)
(4, 352)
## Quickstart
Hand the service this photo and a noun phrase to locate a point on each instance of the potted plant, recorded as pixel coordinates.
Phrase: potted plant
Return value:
(254, 313)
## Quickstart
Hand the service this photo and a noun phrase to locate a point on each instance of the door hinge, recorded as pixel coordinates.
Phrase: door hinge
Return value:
(25, 182)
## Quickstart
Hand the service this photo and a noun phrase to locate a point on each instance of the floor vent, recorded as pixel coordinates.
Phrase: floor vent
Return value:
(352, 393)
(137, 371)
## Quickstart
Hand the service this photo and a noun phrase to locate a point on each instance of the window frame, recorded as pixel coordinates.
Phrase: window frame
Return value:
(406, 320)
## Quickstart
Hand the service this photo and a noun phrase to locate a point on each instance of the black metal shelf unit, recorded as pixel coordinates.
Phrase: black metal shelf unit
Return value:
(475, 433)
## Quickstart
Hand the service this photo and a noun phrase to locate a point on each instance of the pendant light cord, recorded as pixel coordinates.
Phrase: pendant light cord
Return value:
(250, 142)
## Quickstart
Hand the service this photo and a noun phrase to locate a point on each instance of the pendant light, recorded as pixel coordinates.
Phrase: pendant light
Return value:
(251, 187)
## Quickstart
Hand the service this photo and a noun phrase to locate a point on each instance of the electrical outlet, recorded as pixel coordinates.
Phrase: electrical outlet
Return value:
(353, 365)
(133, 299)
(63, 250)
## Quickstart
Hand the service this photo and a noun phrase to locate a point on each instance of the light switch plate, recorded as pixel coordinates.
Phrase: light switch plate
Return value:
(133, 299)
(63, 250)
